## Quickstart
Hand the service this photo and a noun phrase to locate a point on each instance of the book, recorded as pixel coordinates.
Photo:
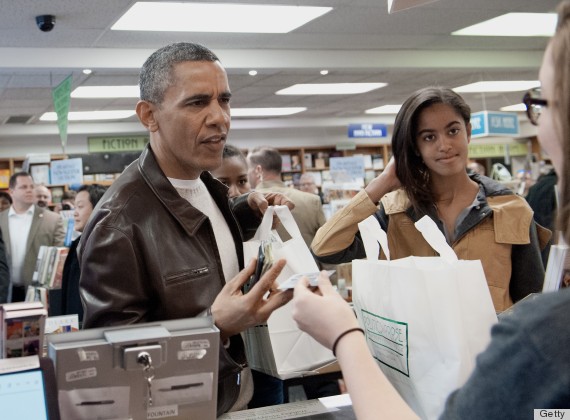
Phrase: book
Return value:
(285, 163)
(57, 270)
(62, 324)
(39, 261)
(51, 256)
(22, 329)
(40, 174)
(556, 268)
(308, 160)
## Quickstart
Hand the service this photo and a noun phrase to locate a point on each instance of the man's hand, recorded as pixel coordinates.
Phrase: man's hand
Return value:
(260, 201)
(234, 312)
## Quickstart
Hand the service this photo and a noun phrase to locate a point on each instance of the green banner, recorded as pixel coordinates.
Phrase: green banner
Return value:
(112, 144)
(61, 95)
(496, 150)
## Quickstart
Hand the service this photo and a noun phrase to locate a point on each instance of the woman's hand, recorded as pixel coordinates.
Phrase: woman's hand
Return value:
(323, 314)
(384, 183)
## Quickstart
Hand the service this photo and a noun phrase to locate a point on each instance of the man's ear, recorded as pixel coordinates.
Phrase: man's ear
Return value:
(146, 113)
(259, 171)
(468, 127)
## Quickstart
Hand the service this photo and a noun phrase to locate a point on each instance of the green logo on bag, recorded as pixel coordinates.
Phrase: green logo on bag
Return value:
(388, 341)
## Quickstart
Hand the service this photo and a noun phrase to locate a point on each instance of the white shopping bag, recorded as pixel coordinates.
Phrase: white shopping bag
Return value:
(425, 318)
(280, 348)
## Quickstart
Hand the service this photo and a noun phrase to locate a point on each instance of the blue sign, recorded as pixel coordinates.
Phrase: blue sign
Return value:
(367, 130)
(487, 123)
(67, 171)
(352, 166)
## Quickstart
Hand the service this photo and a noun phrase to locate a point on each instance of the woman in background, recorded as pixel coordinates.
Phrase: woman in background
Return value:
(85, 200)
(5, 200)
(233, 172)
(481, 218)
(526, 365)
(267, 390)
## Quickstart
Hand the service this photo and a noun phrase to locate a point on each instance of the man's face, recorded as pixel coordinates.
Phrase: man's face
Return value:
(190, 126)
(23, 192)
(43, 196)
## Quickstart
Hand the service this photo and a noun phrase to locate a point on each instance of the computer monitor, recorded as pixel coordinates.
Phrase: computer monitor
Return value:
(28, 389)
(101, 372)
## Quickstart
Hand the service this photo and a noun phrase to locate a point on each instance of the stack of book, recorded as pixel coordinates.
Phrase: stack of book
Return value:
(48, 273)
(22, 329)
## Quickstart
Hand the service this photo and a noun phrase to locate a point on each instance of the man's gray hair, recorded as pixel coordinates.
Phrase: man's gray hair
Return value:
(157, 72)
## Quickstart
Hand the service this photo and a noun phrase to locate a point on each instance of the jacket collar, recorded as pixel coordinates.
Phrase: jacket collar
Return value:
(188, 216)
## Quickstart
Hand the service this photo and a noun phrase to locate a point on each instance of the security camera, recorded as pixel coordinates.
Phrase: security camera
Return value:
(45, 22)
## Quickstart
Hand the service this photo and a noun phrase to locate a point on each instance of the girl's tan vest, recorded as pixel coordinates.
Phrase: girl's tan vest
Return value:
(490, 241)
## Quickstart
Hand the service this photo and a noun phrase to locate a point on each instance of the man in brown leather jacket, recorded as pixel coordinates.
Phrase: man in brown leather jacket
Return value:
(164, 242)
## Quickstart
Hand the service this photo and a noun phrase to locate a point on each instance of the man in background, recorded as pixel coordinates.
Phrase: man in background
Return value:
(25, 228)
(307, 184)
(43, 196)
(264, 174)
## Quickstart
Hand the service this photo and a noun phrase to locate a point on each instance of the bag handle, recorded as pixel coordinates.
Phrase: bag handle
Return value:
(286, 218)
(373, 236)
(435, 238)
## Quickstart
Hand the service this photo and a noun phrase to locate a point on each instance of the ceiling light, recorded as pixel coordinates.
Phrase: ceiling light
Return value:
(324, 72)
(329, 88)
(384, 109)
(253, 72)
(90, 115)
(398, 5)
(265, 112)
(498, 86)
(216, 17)
(106, 92)
(87, 71)
(513, 24)
(514, 108)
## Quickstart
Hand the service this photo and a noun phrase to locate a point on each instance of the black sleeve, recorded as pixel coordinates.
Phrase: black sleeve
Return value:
(527, 269)
(247, 218)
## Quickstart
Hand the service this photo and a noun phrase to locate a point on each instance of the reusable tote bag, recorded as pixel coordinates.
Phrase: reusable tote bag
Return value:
(280, 348)
(425, 318)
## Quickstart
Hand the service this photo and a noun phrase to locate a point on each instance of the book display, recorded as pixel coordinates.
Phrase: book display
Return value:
(22, 329)
(316, 160)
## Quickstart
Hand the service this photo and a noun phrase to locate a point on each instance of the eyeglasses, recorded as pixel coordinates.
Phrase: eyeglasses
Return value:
(534, 104)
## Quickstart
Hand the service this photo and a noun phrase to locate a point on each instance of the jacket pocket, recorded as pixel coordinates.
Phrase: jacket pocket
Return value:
(186, 275)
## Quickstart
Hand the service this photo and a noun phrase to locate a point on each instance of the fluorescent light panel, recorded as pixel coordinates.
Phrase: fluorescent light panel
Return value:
(90, 115)
(265, 112)
(106, 92)
(513, 24)
(384, 109)
(216, 17)
(329, 88)
(498, 86)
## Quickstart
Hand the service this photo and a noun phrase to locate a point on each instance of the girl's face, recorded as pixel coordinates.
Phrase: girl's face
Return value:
(82, 211)
(548, 127)
(442, 140)
(233, 173)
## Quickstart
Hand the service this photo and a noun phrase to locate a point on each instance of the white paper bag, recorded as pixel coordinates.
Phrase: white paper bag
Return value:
(280, 348)
(425, 318)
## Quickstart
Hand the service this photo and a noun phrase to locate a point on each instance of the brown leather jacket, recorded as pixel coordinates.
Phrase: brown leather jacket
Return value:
(147, 255)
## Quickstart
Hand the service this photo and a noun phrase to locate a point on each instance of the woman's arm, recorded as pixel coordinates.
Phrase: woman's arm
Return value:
(326, 316)
(335, 240)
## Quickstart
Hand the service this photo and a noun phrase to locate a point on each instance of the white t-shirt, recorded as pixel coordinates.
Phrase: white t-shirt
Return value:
(19, 225)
